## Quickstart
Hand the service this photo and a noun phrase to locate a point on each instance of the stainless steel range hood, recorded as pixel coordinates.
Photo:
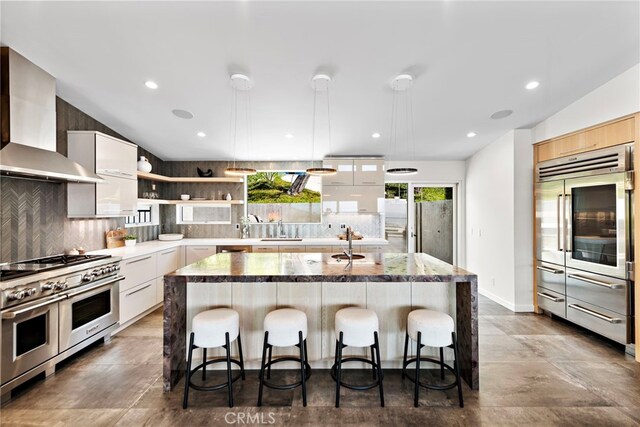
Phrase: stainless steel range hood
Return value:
(28, 116)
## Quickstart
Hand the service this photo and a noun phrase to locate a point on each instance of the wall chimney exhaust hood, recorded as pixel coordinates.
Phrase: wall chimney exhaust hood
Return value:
(28, 116)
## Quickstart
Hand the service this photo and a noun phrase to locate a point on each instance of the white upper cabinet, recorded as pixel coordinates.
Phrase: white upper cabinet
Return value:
(368, 172)
(115, 161)
(115, 157)
(344, 175)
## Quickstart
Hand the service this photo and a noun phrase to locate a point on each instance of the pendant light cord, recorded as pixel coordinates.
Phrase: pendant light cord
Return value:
(235, 124)
(329, 117)
(313, 126)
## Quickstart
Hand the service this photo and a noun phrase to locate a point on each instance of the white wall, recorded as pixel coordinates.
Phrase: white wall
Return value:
(498, 215)
(440, 172)
(618, 97)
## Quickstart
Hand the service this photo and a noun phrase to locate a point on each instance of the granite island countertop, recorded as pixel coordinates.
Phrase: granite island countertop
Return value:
(319, 267)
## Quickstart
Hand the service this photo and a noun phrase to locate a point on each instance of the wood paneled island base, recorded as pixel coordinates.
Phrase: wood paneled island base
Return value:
(256, 283)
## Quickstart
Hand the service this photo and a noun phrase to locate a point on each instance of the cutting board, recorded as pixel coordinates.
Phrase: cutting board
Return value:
(115, 238)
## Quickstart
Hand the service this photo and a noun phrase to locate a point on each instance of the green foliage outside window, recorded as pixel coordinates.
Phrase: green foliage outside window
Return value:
(422, 194)
(270, 187)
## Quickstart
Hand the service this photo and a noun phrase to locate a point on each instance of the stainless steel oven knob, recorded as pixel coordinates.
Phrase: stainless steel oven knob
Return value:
(88, 277)
(30, 292)
(16, 295)
(60, 286)
(48, 286)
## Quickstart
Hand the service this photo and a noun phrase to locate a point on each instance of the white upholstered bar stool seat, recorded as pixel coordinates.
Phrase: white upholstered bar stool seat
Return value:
(357, 325)
(435, 327)
(284, 326)
(210, 327)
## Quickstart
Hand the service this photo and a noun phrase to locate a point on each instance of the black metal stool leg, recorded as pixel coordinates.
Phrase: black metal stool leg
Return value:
(339, 370)
(417, 384)
(261, 375)
(229, 379)
(404, 359)
(204, 364)
(379, 366)
(187, 374)
(303, 358)
(373, 359)
(441, 362)
(456, 366)
(270, 355)
(241, 357)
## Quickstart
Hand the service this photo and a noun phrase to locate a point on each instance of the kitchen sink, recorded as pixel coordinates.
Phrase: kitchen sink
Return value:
(346, 257)
(282, 239)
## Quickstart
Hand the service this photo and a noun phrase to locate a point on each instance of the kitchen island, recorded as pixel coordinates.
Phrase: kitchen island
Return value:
(253, 284)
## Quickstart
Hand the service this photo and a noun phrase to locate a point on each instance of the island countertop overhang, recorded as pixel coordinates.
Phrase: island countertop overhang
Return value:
(319, 267)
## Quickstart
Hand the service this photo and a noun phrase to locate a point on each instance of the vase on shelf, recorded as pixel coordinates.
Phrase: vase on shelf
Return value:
(144, 165)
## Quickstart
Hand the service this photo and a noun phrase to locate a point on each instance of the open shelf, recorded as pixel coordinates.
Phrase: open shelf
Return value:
(189, 202)
(162, 178)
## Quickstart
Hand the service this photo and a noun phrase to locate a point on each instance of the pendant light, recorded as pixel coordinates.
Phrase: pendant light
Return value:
(402, 83)
(320, 82)
(239, 82)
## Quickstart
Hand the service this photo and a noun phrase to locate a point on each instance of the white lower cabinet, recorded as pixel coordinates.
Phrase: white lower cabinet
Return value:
(137, 270)
(136, 300)
(196, 253)
(159, 289)
(168, 261)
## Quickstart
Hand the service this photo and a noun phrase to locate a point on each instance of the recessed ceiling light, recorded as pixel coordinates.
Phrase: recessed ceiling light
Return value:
(201, 134)
(375, 135)
(183, 114)
(532, 85)
(501, 114)
(151, 85)
(288, 135)
(471, 134)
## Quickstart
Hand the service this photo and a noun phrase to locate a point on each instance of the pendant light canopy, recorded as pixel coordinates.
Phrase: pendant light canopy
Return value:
(320, 83)
(242, 83)
(402, 83)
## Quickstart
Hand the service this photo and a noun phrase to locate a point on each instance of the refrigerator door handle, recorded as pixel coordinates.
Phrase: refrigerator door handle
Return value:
(560, 221)
(568, 216)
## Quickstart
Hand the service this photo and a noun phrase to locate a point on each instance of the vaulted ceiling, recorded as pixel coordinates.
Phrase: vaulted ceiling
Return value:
(468, 60)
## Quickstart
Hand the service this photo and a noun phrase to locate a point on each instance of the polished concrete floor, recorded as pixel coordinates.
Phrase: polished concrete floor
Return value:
(534, 371)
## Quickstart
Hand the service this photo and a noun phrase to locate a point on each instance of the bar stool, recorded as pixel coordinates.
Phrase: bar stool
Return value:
(434, 329)
(357, 327)
(214, 328)
(285, 327)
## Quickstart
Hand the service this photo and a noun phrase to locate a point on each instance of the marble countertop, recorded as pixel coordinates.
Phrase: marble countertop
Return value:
(146, 248)
(316, 267)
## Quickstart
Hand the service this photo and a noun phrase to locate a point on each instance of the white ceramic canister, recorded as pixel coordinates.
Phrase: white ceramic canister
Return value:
(144, 165)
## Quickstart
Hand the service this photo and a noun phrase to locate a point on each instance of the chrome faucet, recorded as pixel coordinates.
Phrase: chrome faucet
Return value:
(349, 254)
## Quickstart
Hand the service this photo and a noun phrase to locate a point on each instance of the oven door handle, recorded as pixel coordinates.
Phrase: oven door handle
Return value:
(96, 286)
(11, 314)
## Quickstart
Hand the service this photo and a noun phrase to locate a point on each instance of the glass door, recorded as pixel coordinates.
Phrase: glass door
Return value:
(396, 216)
(433, 214)
(597, 224)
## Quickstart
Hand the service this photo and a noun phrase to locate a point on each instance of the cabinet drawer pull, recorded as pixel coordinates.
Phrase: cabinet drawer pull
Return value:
(549, 297)
(200, 249)
(550, 270)
(369, 182)
(137, 290)
(138, 260)
(596, 282)
(595, 314)
(169, 252)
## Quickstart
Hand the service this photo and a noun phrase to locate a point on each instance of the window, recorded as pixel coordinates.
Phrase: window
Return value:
(146, 214)
(203, 214)
(290, 197)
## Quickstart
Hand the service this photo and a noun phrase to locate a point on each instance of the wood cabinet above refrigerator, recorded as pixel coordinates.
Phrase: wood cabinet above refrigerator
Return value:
(112, 159)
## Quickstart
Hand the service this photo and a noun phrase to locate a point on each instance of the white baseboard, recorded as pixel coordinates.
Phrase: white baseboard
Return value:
(520, 308)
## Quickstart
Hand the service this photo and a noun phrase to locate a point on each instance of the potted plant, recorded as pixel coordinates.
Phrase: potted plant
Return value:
(130, 240)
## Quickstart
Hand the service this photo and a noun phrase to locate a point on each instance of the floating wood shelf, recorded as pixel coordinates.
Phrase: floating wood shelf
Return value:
(189, 202)
(162, 178)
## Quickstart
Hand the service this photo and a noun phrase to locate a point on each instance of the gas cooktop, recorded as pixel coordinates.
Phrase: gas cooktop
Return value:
(38, 265)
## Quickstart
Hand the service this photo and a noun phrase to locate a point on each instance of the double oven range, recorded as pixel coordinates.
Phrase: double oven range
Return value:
(51, 308)
(584, 224)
